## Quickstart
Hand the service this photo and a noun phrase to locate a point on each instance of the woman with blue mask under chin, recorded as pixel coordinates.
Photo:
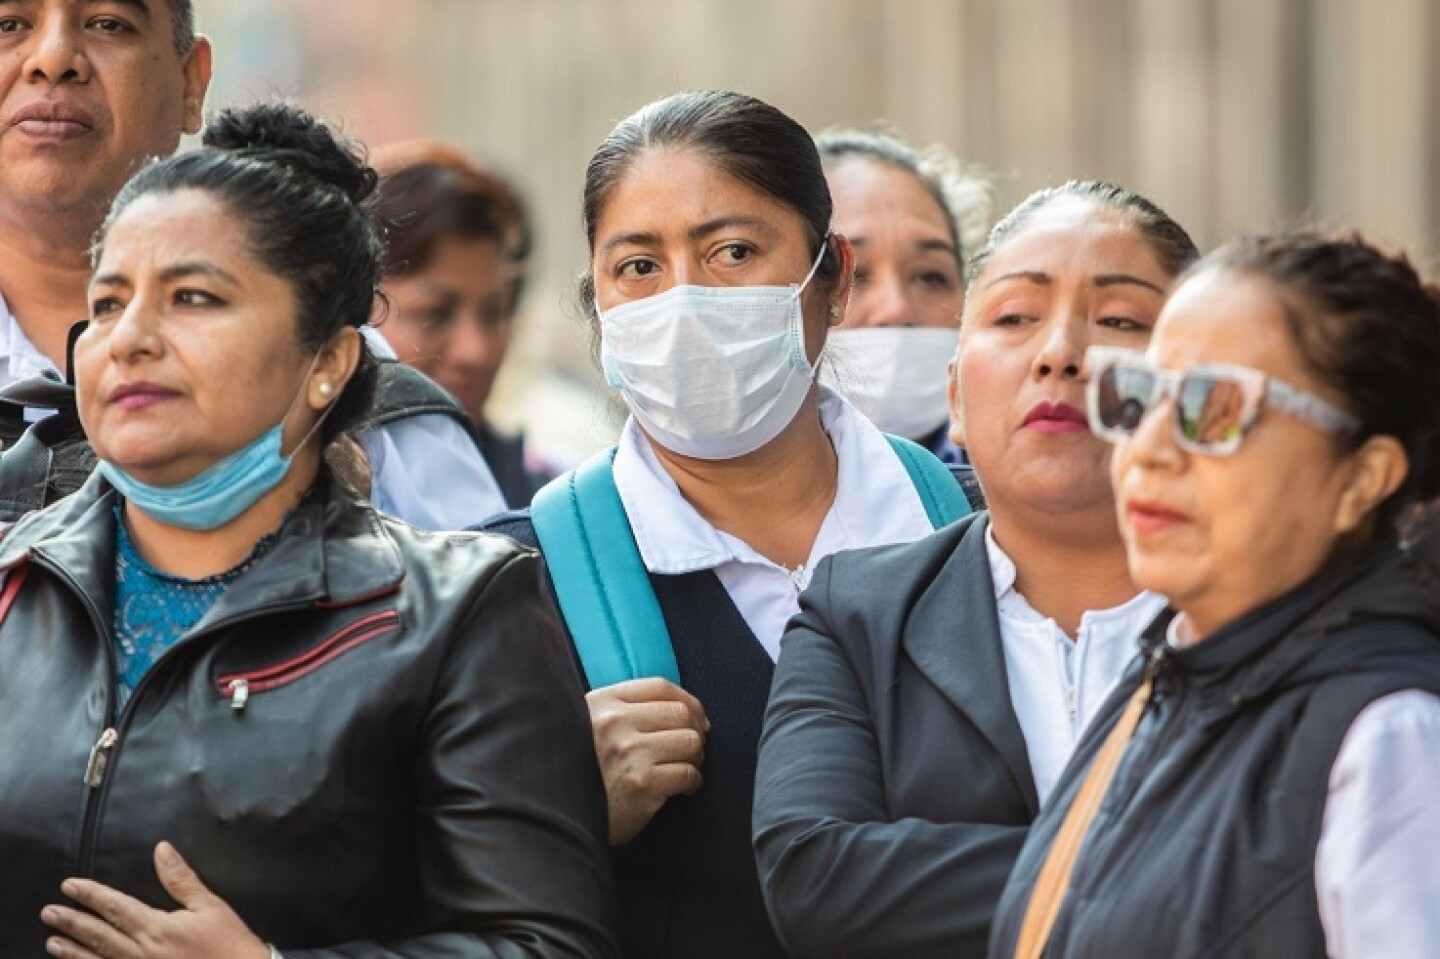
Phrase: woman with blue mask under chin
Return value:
(248, 715)
(714, 277)
(912, 216)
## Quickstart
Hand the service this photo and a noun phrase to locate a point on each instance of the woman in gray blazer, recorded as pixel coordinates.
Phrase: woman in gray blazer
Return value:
(928, 695)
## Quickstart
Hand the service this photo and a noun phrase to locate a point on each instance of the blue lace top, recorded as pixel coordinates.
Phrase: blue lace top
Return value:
(153, 610)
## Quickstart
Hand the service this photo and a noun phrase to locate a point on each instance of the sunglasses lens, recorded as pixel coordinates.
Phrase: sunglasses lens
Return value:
(1123, 396)
(1211, 410)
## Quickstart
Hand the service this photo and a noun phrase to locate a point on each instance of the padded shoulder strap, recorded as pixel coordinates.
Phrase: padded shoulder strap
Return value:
(600, 580)
(944, 500)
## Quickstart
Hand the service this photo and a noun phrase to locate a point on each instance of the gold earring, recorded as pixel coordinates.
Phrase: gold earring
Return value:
(834, 312)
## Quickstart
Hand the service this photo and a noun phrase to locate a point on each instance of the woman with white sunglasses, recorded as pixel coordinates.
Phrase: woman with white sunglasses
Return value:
(1264, 781)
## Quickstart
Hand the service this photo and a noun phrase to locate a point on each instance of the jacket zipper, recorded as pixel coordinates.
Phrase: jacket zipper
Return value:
(107, 745)
(239, 687)
(1157, 745)
(109, 736)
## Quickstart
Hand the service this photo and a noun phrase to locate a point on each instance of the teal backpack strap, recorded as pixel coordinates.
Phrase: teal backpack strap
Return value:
(600, 580)
(944, 500)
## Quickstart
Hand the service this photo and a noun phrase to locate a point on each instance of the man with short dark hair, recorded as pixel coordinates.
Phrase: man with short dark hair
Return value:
(90, 90)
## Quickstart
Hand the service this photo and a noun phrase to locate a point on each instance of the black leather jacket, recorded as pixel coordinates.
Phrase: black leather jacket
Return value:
(375, 743)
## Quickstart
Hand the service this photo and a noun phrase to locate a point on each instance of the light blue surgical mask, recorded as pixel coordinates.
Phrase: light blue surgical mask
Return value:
(224, 489)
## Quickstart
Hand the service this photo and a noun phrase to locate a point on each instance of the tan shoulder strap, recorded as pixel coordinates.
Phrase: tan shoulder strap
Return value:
(1054, 882)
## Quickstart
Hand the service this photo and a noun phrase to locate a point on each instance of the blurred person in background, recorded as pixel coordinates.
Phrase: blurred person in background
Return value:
(714, 278)
(912, 217)
(458, 243)
(88, 93)
(1264, 781)
(928, 695)
(362, 739)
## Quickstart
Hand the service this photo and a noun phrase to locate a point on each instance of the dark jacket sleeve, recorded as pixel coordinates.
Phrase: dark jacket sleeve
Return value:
(511, 820)
(840, 876)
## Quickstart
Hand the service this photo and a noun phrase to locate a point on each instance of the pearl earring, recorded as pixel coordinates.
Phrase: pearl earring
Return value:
(324, 389)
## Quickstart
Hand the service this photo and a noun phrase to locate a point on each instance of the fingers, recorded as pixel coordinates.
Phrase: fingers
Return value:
(123, 912)
(85, 935)
(654, 690)
(179, 880)
(69, 949)
(675, 779)
(655, 717)
(670, 746)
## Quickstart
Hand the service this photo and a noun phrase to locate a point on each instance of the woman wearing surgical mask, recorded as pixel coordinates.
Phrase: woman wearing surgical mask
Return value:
(928, 695)
(1264, 781)
(910, 217)
(715, 275)
(246, 714)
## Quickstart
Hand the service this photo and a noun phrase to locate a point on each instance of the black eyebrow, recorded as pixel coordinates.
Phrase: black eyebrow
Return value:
(726, 222)
(630, 239)
(170, 273)
(1031, 276)
(140, 6)
(181, 270)
(1103, 280)
(697, 232)
(926, 245)
(1125, 279)
(143, 6)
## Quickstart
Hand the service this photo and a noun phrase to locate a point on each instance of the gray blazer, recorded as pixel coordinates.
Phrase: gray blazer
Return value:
(894, 790)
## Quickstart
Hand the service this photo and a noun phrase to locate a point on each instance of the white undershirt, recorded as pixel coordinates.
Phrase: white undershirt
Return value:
(427, 469)
(19, 358)
(1377, 867)
(875, 505)
(1058, 683)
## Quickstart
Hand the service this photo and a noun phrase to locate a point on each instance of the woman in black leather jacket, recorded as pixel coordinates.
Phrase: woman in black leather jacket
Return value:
(363, 740)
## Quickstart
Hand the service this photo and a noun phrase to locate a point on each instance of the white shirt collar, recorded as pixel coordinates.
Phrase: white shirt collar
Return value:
(875, 500)
(20, 357)
(1144, 605)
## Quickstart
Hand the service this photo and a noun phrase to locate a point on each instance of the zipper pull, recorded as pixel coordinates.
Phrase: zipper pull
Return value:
(239, 694)
(1155, 668)
(100, 758)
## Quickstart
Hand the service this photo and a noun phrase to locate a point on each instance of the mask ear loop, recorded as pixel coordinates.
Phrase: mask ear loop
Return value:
(814, 267)
(800, 336)
(315, 427)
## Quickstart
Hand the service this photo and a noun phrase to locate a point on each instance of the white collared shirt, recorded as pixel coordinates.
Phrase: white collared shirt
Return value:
(875, 505)
(1056, 683)
(1377, 866)
(19, 358)
(426, 469)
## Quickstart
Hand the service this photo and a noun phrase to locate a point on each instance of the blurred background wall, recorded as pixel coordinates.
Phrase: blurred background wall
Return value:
(1233, 114)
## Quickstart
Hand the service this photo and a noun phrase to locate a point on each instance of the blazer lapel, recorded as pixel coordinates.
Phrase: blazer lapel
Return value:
(953, 637)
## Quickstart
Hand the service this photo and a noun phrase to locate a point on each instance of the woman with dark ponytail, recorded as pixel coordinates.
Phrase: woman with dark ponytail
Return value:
(1264, 781)
(248, 714)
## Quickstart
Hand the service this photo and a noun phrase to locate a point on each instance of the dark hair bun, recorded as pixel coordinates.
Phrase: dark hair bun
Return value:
(282, 133)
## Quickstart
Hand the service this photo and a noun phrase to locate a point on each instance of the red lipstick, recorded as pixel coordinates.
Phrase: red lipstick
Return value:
(1055, 418)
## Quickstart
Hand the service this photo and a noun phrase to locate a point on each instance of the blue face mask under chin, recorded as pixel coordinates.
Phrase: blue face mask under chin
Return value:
(218, 494)
(224, 489)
